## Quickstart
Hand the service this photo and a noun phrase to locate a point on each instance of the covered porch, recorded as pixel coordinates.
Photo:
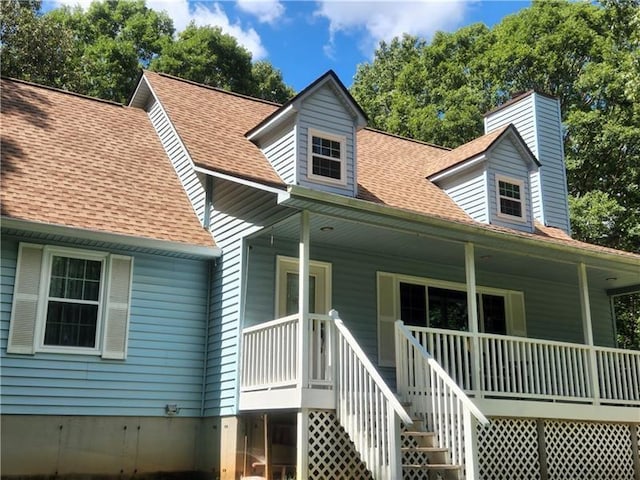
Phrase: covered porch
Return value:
(537, 317)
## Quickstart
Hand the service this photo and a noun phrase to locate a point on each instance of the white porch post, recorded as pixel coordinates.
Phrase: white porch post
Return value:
(587, 328)
(470, 270)
(302, 460)
(303, 302)
(302, 451)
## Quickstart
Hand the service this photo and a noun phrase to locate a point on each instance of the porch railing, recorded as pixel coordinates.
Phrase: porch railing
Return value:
(436, 397)
(367, 409)
(270, 353)
(535, 369)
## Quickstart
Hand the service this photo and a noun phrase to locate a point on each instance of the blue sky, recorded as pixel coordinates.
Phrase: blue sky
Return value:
(306, 38)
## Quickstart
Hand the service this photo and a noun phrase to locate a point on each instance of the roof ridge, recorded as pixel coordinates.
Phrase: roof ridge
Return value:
(402, 137)
(66, 92)
(216, 89)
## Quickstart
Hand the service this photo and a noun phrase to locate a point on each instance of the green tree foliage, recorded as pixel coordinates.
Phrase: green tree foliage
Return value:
(206, 55)
(99, 51)
(35, 48)
(586, 55)
(268, 83)
(113, 39)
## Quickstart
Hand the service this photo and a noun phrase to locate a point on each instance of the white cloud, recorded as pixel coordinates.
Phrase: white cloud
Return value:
(202, 14)
(210, 14)
(266, 11)
(383, 20)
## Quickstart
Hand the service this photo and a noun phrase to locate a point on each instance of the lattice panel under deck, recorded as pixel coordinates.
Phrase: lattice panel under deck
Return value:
(508, 450)
(588, 451)
(332, 454)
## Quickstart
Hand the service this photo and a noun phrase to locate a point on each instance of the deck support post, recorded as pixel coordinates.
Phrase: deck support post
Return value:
(587, 327)
(302, 450)
(303, 302)
(470, 445)
(470, 271)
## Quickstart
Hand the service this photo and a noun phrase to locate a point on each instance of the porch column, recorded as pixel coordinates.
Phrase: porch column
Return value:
(303, 302)
(587, 328)
(470, 271)
(302, 451)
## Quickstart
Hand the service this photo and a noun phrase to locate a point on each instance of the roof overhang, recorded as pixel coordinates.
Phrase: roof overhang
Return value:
(412, 222)
(115, 238)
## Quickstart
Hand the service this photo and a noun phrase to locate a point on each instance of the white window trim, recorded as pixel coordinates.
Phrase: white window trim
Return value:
(312, 132)
(45, 281)
(523, 203)
(291, 264)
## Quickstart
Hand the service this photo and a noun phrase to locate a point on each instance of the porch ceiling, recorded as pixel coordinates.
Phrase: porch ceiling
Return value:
(513, 259)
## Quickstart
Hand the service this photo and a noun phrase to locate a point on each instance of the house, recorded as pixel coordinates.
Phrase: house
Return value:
(205, 284)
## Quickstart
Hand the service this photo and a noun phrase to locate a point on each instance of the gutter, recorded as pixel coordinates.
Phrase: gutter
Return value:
(119, 238)
(363, 206)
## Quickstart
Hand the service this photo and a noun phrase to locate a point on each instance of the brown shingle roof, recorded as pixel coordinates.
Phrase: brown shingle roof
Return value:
(464, 152)
(391, 171)
(212, 124)
(78, 162)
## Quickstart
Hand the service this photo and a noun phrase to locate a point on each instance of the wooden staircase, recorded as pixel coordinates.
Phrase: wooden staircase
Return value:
(422, 459)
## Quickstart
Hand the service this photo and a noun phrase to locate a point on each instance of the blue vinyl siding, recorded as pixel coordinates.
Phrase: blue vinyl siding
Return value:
(238, 211)
(324, 111)
(506, 160)
(280, 150)
(165, 354)
(551, 155)
(469, 191)
(538, 121)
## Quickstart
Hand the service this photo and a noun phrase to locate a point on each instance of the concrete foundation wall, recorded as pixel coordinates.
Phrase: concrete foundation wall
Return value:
(120, 446)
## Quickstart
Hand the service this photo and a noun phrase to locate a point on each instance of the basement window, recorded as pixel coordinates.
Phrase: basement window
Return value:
(327, 157)
(510, 194)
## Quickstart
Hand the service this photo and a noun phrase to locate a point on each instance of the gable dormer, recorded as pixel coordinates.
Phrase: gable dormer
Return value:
(489, 178)
(537, 118)
(311, 140)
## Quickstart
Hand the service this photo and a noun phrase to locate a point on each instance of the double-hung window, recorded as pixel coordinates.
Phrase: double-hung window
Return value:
(68, 300)
(510, 193)
(73, 300)
(326, 157)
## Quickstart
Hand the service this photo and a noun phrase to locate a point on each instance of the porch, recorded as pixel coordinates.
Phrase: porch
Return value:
(376, 373)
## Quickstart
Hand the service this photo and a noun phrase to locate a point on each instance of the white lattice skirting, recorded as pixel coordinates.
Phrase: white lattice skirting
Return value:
(332, 455)
(510, 449)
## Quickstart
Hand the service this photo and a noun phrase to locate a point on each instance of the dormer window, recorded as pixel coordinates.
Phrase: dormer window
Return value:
(327, 157)
(510, 198)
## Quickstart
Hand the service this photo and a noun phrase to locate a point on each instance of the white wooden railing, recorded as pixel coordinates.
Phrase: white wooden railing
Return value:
(367, 409)
(436, 397)
(535, 369)
(269, 354)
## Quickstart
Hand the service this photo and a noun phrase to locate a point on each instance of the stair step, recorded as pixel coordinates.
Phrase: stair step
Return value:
(417, 433)
(424, 449)
(433, 466)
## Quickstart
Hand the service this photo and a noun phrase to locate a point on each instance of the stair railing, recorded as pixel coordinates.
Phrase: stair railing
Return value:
(437, 399)
(367, 409)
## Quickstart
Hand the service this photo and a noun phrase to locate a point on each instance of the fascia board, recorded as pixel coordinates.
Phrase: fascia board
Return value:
(107, 237)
